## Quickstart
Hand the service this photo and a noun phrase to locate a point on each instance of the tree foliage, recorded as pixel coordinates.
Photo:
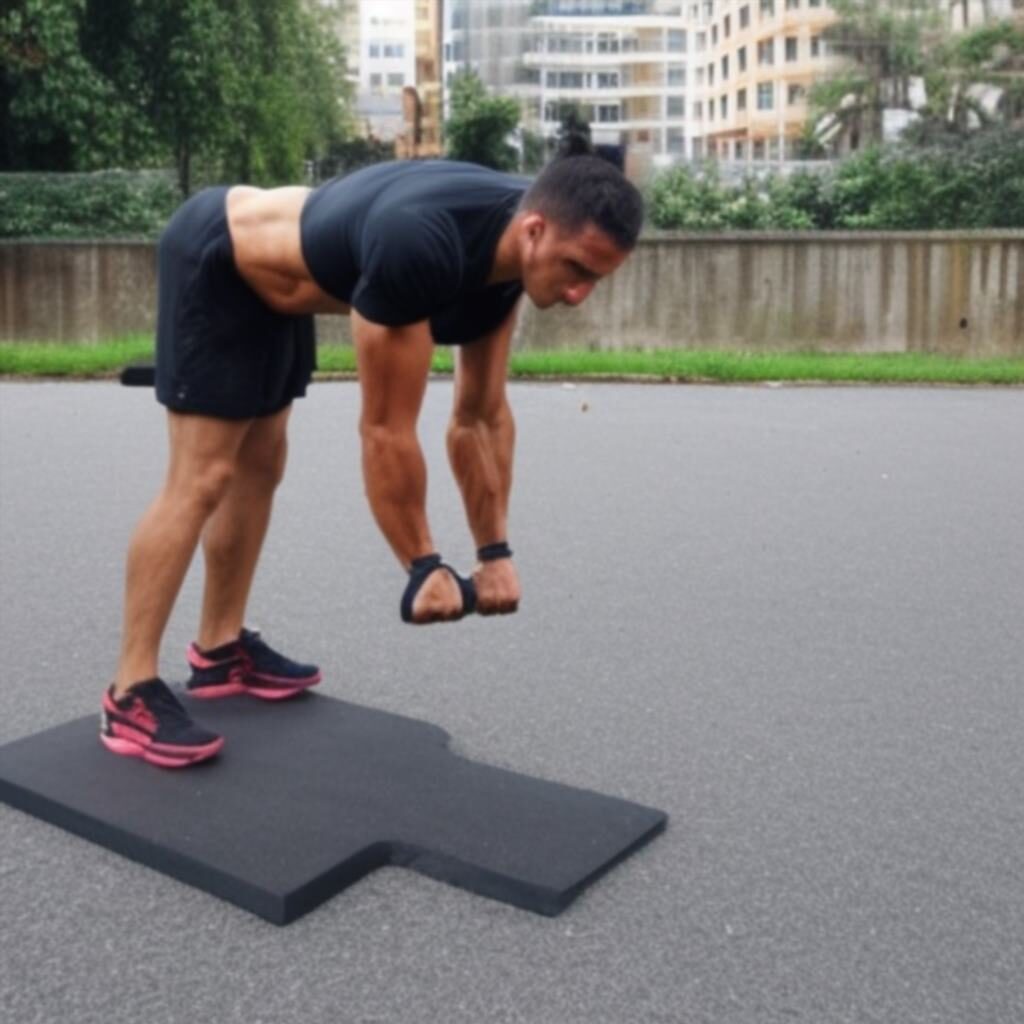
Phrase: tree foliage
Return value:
(479, 126)
(890, 44)
(245, 89)
(968, 182)
(883, 43)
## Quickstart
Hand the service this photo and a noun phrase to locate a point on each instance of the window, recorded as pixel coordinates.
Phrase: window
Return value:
(676, 74)
(396, 80)
(738, 150)
(741, 99)
(815, 46)
(607, 80)
(745, 17)
(795, 94)
(702, 42)
(607, 42)
(813, 3)
(767, 8)
(675, 106)
(570, 80)
(714, 35)
(711, 74)
(394, 50)
(727, 26)
(698, 111)
(741, 56)
(677, 40)
(792, 5)
(723, 106)
(791, 42)
(759, 149)
(725, 67)
(711, 110)
(675, 141)
(766, 51)
(608, 112)
(375, 81)
(766, 96)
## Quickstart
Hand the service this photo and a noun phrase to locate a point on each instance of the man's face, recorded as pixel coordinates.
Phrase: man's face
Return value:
(563, 267)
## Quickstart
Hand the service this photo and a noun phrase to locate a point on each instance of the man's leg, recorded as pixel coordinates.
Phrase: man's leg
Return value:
(233, 536)
(203, 457)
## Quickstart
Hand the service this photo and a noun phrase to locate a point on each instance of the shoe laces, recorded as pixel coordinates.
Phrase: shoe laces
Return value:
(160, 700)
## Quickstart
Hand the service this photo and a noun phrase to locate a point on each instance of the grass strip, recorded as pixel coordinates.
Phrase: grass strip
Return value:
(105, 359)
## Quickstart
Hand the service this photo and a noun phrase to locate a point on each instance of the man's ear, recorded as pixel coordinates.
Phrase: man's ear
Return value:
(534, 224)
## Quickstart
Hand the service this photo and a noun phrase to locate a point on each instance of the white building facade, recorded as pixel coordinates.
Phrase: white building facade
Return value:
(387, 63)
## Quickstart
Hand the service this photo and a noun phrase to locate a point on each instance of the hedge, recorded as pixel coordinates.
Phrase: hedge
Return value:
(124, 204)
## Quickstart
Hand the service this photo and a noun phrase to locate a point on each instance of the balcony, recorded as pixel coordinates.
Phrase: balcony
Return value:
(566, 58)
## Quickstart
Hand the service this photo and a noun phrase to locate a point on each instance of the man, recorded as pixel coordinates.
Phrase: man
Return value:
(417, 253)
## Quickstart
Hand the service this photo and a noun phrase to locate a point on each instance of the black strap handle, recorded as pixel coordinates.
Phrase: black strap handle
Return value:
(420, 569)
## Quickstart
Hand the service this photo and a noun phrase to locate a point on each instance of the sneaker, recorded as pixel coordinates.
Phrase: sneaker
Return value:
(247, 665)
(150, 723)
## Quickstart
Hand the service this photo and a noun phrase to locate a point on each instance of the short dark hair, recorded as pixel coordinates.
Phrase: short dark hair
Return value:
(573, 191)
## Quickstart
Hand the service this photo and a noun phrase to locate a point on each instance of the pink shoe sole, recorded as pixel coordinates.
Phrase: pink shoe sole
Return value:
(182, 757)
(280, 692)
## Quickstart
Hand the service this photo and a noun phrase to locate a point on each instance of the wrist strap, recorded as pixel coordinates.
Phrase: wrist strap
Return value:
(419, 570)
(492, 552)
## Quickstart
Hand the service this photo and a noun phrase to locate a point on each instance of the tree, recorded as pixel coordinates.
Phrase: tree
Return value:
(249, 89)
(573, 135)
(883, 41)
(975, 79)
(480, 125)
(58, 111)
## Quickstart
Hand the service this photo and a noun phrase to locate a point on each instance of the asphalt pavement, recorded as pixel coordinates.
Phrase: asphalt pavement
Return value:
(790, 617)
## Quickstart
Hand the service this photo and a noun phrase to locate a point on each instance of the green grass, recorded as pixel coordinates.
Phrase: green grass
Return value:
(105, 359)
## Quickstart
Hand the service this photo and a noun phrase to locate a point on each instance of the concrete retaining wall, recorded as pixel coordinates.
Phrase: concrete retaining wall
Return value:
(955, 293)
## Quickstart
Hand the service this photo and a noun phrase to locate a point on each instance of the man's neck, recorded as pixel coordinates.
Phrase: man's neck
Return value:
(507, 265)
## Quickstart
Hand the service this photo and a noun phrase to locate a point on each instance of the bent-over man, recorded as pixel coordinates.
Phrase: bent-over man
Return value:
(418, 254)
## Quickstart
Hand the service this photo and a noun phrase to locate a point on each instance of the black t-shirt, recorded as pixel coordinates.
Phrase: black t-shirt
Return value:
(415, 240)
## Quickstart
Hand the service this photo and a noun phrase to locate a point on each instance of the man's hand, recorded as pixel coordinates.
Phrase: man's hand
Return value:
(497, 587)
(438, 600)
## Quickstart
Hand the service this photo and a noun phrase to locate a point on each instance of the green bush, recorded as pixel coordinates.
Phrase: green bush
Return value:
(958, 182)
(126, 204)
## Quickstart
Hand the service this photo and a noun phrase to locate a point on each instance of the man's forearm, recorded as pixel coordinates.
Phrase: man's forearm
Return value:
(481, 453)
(395, 476)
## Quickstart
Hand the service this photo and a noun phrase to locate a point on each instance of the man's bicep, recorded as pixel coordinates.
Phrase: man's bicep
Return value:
(393, 365)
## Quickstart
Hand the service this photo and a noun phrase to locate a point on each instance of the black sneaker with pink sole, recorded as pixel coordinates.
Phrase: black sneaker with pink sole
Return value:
(149, 722)
(247, 665)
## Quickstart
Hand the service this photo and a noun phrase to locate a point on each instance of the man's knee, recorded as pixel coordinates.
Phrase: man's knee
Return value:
(265, 463)
(203, 487)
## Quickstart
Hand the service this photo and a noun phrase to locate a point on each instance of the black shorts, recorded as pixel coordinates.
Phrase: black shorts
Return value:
(220, 350)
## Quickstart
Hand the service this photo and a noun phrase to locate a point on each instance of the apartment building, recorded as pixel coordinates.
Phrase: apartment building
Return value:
(624, 64)
(489, 36)
(387, 64)
(755, 62)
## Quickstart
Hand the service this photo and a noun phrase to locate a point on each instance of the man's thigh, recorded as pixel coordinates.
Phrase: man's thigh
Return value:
(199, 443)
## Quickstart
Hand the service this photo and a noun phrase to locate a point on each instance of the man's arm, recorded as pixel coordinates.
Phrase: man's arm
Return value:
(393, 364)
(481, 443)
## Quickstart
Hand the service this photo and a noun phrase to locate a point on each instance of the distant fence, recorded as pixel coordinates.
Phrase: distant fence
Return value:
(957, 293)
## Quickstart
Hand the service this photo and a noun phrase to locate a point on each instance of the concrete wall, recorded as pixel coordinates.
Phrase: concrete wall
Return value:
(954, 293)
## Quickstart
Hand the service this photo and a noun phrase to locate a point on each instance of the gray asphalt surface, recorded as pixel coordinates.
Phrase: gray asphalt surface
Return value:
(792, 618)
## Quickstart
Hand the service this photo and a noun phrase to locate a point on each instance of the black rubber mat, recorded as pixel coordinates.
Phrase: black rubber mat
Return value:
(311, 794)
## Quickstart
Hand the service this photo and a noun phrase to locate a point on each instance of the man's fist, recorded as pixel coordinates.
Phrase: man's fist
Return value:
(497, 587)
(439, 599)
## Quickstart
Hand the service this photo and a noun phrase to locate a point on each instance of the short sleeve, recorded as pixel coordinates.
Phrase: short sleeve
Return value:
(413, 266)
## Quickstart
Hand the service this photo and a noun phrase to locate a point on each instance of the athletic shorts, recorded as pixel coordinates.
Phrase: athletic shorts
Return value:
(220, 350)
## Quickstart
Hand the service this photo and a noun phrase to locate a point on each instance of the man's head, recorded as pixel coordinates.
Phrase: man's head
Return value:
(578, 222)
